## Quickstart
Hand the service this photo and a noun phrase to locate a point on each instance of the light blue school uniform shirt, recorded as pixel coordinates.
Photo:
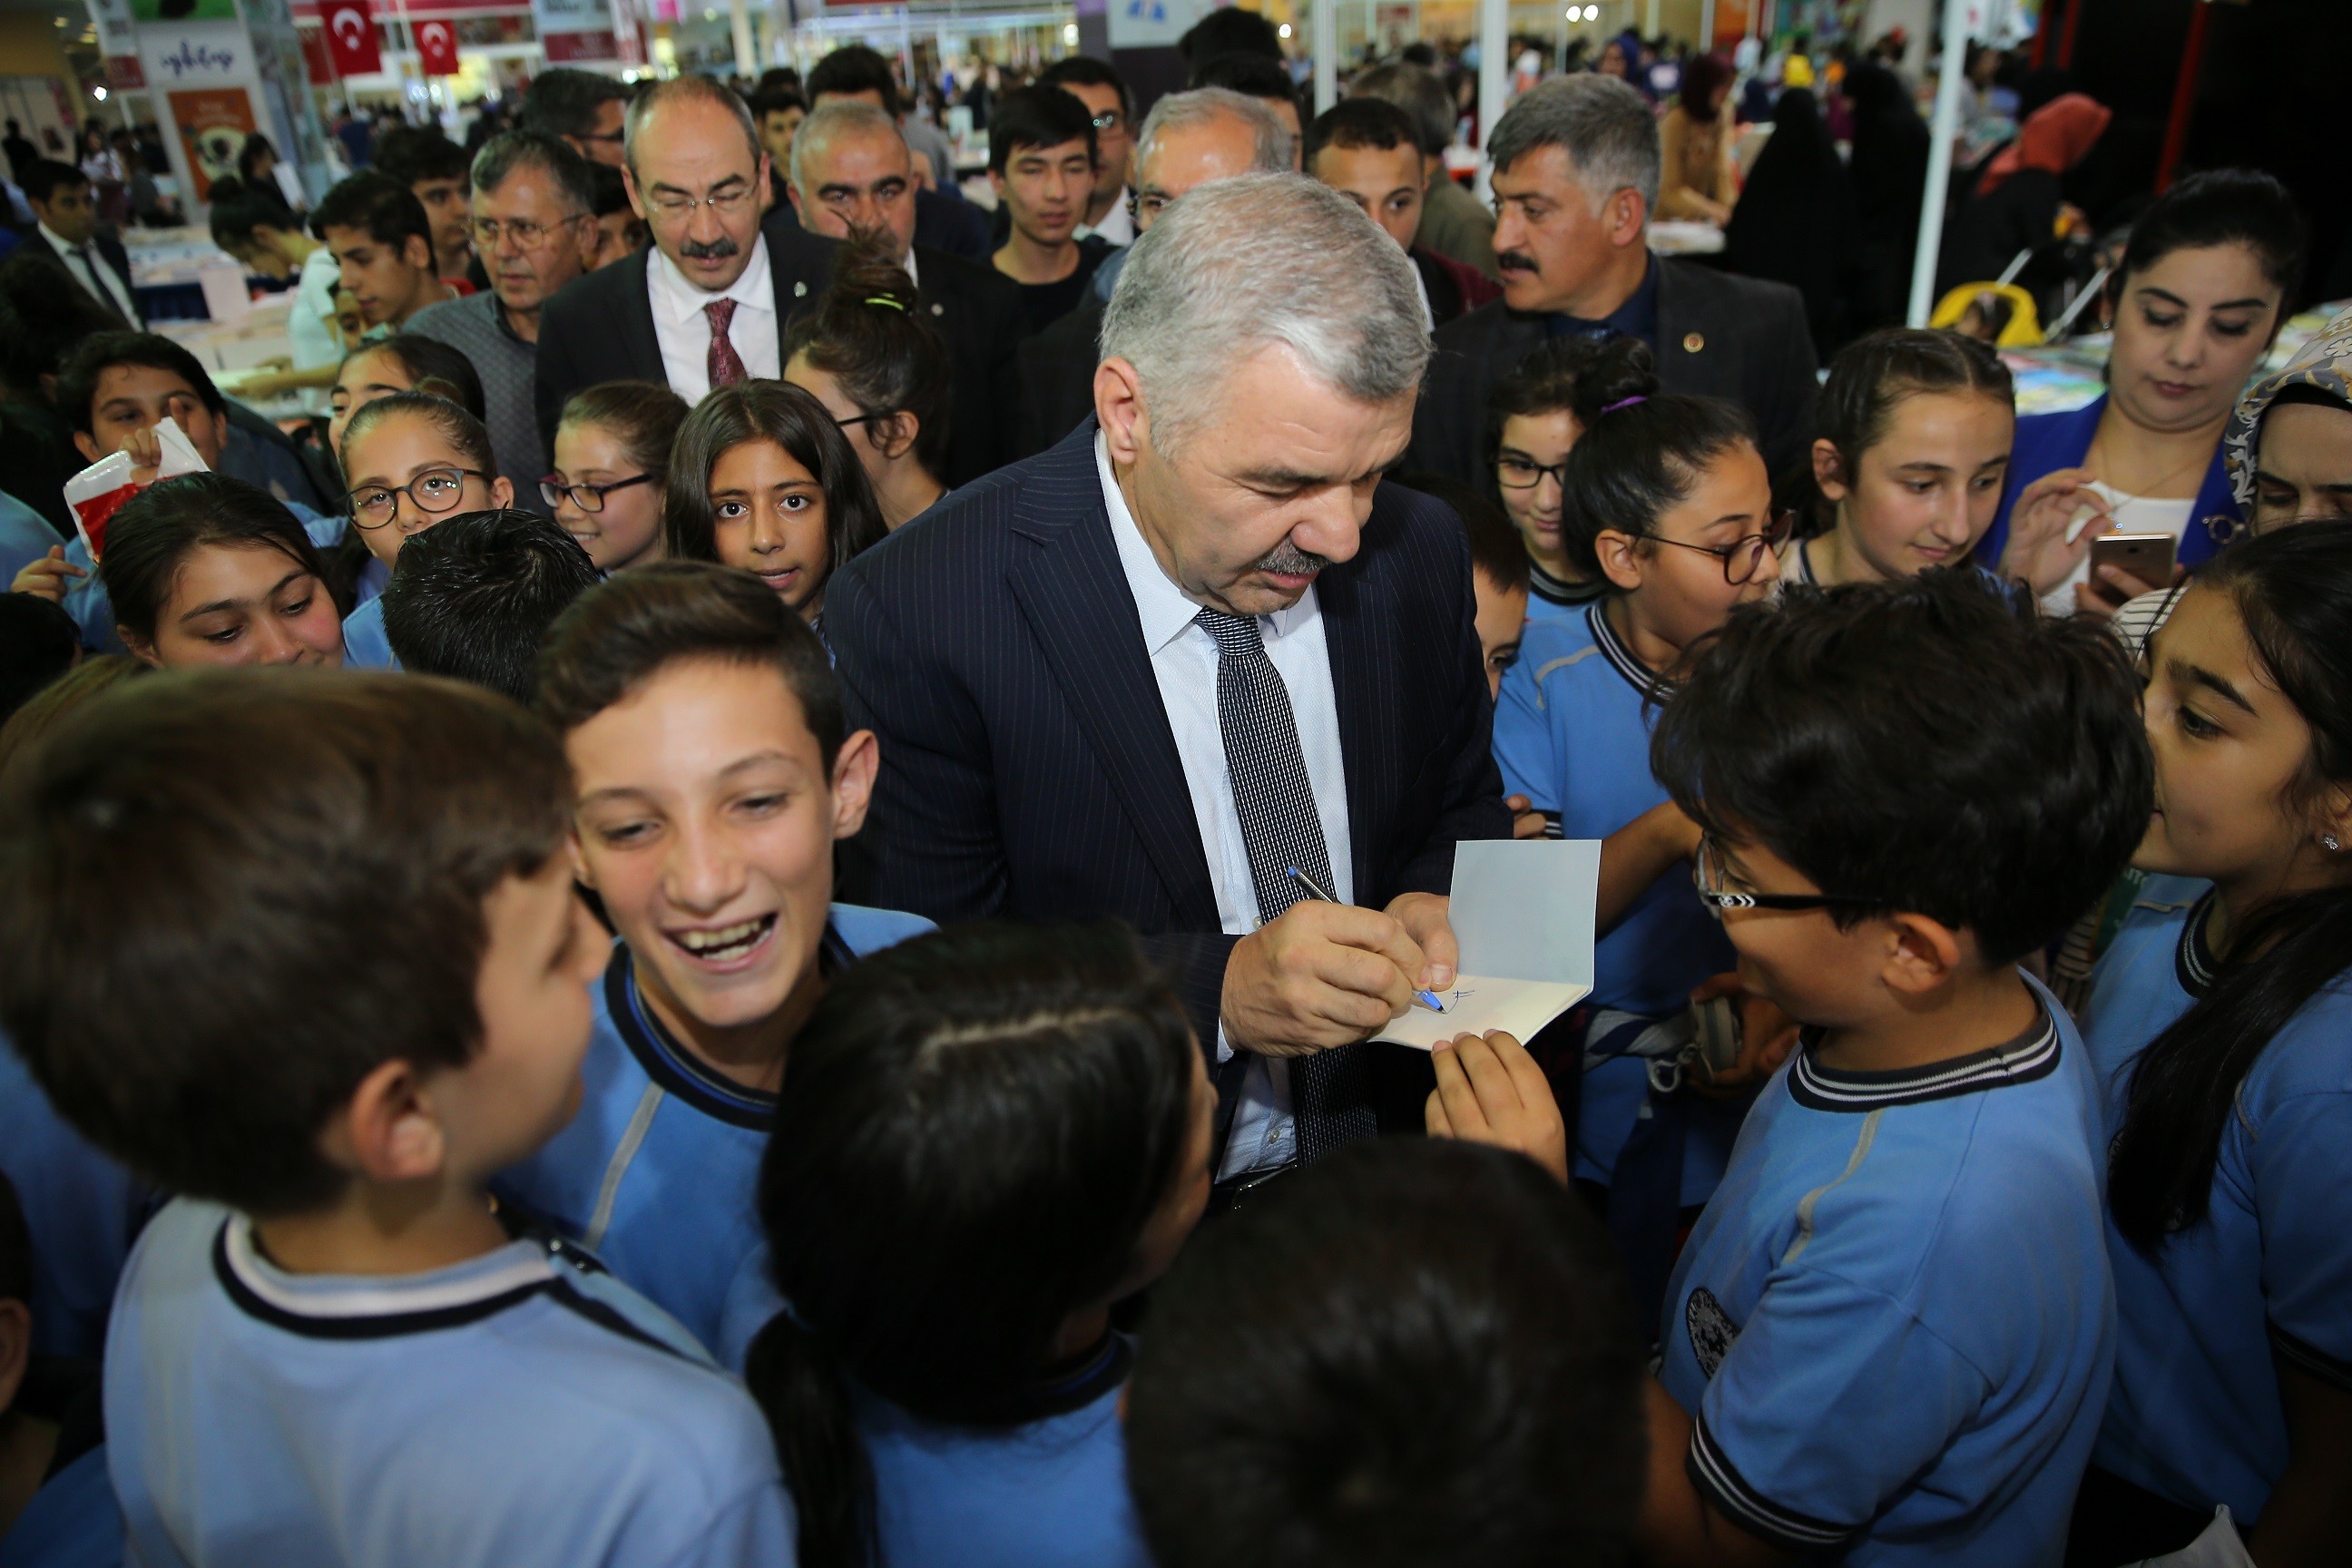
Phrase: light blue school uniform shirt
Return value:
(2195, 1416)
(93, 612)
(365, 645)
(521, 1408)
(1551, 598)
(1893, 1326)
(1572, 734)
(82, 1210)
(1048, 1493)
(658, 1173)
(26, 536)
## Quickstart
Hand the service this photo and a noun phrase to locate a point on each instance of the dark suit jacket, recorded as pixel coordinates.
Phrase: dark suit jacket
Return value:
(1718, 336)
(110, 249)
(977, 309)
(1028, 770)
(600, 328)
(1057, 378)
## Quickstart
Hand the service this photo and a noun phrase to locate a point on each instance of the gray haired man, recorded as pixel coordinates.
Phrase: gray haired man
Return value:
(1198, 644)
(1576, 176)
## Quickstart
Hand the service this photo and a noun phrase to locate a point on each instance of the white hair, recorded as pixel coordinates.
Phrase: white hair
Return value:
(832, 118)
(1255, 261)
(1183, 111)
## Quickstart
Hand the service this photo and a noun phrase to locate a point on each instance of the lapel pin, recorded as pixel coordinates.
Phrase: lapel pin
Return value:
(801, 289)
(1693, 342)
(937, 309)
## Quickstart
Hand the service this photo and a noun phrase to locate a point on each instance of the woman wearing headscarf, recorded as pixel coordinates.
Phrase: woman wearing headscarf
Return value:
(2017, 199)
(1889, 172)
(1795, 223)
(1697, 181)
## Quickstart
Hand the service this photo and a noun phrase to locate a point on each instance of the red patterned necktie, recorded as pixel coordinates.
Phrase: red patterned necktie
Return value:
(726, 365)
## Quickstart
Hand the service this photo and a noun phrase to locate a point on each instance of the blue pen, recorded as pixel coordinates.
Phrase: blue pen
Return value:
(1426, 998)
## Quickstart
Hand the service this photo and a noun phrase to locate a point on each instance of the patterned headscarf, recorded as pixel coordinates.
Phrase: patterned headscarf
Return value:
(2324, 362)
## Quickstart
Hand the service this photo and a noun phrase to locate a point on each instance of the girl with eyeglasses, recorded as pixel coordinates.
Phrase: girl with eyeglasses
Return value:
(1531, 423)
(612, 465)
(410, 459)
(763, 479)
(1665, 499)
(873, 359)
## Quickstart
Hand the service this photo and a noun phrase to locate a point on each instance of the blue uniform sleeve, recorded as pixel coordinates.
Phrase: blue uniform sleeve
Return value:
(759, 1528)
(1832, 1398)
(2302, 1165)
(1523, 747)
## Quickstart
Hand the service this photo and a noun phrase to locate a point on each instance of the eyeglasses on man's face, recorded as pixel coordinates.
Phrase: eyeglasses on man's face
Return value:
(674, 205)
(526, 235)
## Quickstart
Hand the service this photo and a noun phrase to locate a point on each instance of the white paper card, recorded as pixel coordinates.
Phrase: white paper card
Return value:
(1523, 911)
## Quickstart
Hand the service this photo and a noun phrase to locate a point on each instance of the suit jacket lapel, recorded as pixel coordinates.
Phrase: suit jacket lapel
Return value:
(1073, 591)
(640, 344)
(1367, 677)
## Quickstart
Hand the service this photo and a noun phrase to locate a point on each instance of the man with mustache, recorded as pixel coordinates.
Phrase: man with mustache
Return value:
(1198, 644)
(707, 305)
(1576, 176)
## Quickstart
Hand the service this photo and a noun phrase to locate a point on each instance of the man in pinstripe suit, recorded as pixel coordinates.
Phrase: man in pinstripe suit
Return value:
(1196, 659)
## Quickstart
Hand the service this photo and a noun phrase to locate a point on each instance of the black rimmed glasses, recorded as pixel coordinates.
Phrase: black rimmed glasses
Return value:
(587, 498)
(1706, 875)
(1744, 555)
(436, 491)
(1514, 472)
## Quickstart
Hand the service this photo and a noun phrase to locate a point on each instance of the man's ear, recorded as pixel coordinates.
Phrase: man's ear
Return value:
(1828, 470)
(1621, 557)
(854, 768)
(389, 1131)
(1921, 954)
(1626, 217)
(1119, 405)
(636, 201)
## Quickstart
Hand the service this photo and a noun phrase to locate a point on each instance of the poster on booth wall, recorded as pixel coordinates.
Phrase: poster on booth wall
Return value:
(576, 30)
(213, 123)
(184, 10)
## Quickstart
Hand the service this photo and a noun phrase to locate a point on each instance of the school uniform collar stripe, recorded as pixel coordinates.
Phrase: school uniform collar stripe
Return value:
(1621, 657)
(1081, 1388)
(2193, 963)
(2032, 1054)
(361, 1307)
(675, 1069)
(1720, 1483)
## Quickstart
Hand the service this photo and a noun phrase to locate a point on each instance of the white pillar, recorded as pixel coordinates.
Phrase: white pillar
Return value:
(1706, 26)
(1326, 46)
(1945, 131)
(747, 58)
(1494, 64)
(1650, 21)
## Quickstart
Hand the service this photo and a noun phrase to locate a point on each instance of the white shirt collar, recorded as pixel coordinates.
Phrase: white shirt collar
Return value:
(913, 276)
(1164, 610)
(1421, 287)
(1117, 225)
(60, 244)
(755, 289)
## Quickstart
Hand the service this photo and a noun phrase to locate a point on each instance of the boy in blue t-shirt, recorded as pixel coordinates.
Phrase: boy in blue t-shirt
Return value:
(1891, 1334)
(57, 1510)
(308, 952)
(712, 778)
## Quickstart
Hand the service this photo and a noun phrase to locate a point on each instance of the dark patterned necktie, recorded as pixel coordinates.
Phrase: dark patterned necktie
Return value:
(1330, 1092)
(725, 367)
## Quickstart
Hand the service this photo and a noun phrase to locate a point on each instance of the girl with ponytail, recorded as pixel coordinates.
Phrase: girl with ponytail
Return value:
(871, 356)
(986, 1136)
(2219, 1023)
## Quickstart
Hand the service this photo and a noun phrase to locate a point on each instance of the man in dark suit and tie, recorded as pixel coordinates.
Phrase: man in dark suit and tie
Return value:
(852, 170)
(1197, 657)
(708, 304)
(1576, 176)
(59, 196)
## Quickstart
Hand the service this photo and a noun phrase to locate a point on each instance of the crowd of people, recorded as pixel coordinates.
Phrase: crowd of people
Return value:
(824, 950)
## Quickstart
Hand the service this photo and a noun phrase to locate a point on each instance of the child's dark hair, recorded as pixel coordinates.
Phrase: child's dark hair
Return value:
(794, 420)
(627, 629)
(228, 896)
(378, 205)
(473, 596)
(79, 377)
(456, 425)
(1640, 456)
(868, 334)
(1360, 123)
(433, 367)
(643, 416)
(2222, 206)
(1036, 116)
(2293, 590)
(1931, 745)
(1873, 373)
(157, 530)
(974, 1130)
(1496, 549)
(1546, 382)
(1416, 1352)
(39, 643)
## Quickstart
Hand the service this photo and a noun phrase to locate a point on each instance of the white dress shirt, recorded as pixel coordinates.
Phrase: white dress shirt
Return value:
(1184, 662)
(1117, 225)
(1421, 287)
(95, 273)
(684, 331)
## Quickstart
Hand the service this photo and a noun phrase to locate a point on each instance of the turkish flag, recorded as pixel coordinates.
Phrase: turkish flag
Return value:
(437, 48)
(351, 38)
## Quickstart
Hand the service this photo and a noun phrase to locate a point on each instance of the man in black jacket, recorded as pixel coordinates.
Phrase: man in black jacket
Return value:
(851, 171)
(708, 304)
(1575, 175)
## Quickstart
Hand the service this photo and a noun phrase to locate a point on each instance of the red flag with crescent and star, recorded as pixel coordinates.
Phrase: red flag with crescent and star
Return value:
(437, 48)
(350, 30)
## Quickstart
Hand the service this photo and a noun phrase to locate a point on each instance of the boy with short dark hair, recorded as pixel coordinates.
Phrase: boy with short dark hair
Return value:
(1414, 1351)
(382, 242)
(56, 1505)
(1041, 160)
(308, 952)
(472, 597)
(1891, 1331)
(433, 168)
